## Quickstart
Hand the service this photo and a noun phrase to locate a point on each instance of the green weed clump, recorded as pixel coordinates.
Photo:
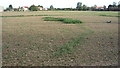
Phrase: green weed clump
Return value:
(109, 16)
(70, 46)
(65, 20)
(52, 19)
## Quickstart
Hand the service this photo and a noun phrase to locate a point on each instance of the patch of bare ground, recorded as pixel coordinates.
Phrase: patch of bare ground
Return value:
(98, 49)
(30, 41)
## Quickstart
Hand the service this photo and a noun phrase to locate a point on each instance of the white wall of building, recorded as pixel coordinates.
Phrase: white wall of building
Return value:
(25, 9)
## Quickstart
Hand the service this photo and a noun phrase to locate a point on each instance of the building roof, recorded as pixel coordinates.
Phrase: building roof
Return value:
(25, 7)
(99, 7)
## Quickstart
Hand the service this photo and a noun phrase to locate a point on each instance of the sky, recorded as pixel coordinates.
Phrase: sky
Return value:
(55, 3)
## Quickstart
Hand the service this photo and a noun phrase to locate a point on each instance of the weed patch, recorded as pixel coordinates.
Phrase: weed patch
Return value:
(69, 47)
(109, 16)
(65, 20)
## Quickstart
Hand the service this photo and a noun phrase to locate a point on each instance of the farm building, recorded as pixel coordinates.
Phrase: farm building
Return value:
(45, 8)
(40, 8)
(24, 8)
(1, 9)
(99, 7)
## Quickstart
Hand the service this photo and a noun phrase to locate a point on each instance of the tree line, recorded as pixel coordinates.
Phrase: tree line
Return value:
(79, 7)
(83, 7)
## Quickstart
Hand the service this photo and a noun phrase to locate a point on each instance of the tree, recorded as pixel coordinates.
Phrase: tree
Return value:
(114, 4)
(33, 8)
(119, 4)
(10, 8)
(110, 7)
(40, 6)
(104, 7)
(93, 7)
(51, 7)
(7, 9)
(79, 6)
(84, 7)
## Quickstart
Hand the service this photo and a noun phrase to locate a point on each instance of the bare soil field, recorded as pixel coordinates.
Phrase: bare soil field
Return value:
(30, 41)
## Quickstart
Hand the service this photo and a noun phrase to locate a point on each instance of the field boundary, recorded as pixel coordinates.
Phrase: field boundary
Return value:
(29, 15)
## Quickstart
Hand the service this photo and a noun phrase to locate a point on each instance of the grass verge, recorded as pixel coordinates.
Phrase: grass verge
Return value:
(65, 20)
(29, 15)
(69, 47)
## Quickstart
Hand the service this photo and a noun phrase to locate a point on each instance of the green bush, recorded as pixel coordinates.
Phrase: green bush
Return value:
(65, 20)
(33, 8)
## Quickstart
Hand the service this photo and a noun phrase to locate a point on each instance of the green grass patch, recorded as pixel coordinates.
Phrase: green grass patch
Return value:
(65, 20)
(109, 16)
(106, 13)
(29, 15)
(69, 47)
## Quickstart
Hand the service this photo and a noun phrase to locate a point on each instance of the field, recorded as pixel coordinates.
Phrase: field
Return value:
(28, 40)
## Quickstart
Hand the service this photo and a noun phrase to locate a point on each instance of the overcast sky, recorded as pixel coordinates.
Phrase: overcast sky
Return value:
(55, 3)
